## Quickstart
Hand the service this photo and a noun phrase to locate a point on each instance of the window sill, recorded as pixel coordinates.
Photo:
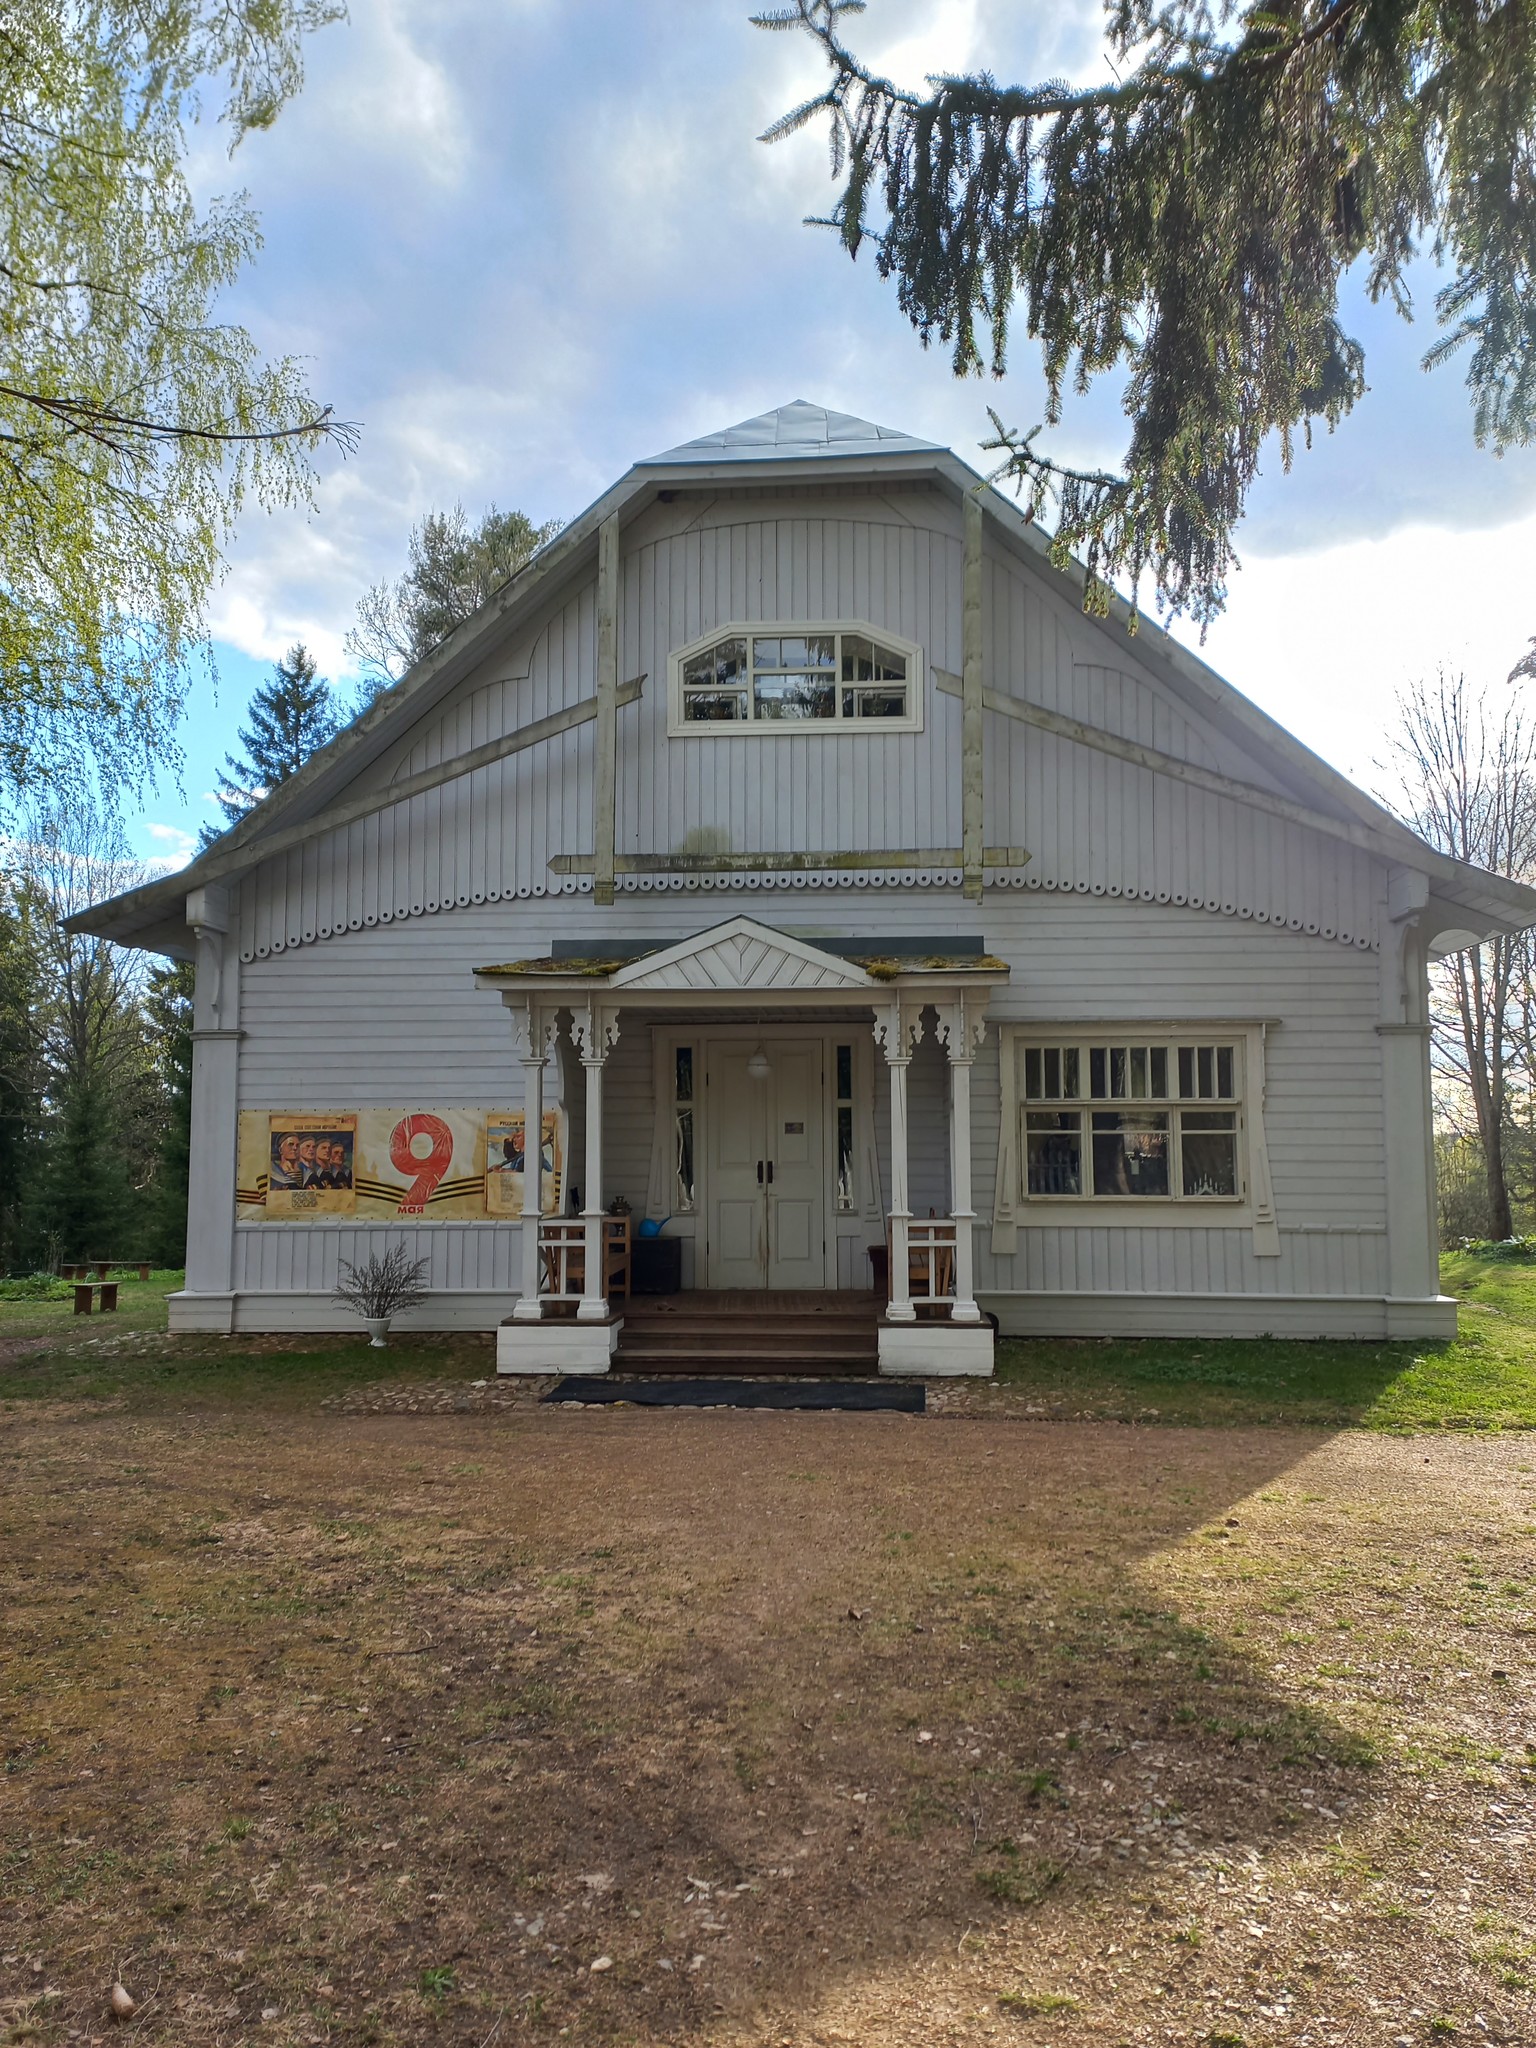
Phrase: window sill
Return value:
(1149, 1212)
(790, 728)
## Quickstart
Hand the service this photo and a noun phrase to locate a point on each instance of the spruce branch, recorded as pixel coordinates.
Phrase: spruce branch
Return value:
(1186, 226)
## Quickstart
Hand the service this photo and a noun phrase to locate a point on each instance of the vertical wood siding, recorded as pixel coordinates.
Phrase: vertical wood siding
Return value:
(1086, 819)
(392, 1016)
(358, 986)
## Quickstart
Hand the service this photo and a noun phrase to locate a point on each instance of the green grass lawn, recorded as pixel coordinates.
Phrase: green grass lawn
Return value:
(1486, 1379)
(47, 1352)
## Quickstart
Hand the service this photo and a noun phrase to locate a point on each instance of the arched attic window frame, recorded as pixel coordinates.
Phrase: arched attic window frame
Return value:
(760, 661)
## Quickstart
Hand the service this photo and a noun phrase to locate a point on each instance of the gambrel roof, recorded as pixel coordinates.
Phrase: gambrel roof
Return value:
(774, 449)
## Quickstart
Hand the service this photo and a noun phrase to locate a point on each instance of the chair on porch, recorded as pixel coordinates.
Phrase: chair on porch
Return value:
(563, 1257)
(930, 1260)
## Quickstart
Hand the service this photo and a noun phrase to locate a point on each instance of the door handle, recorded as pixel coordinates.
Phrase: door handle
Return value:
(759, 1173)
(770, 1173)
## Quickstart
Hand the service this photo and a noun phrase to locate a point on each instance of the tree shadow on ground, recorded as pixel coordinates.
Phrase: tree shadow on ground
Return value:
(658, 1727)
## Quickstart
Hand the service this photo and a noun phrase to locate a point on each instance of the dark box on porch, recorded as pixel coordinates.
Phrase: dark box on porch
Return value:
(657, 1265)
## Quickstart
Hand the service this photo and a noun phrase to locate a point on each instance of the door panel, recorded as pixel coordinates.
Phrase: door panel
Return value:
(739, 1238)
(792, 1222)
(737, 1250)
(797, 1192)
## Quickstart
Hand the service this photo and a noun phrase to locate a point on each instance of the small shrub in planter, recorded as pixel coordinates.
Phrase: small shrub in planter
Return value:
(381, 1288)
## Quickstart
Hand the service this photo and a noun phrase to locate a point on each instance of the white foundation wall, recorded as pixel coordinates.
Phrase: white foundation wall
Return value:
(391, 1015)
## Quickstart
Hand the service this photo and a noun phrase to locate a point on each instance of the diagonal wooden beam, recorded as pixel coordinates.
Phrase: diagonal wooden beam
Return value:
(1365, 837)
(214, 865)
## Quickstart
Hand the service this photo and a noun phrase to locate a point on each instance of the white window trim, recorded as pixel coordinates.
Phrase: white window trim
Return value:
(1252, 1208)
(809, 728)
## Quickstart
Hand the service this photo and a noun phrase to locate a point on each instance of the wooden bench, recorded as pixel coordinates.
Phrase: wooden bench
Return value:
(86, 1290)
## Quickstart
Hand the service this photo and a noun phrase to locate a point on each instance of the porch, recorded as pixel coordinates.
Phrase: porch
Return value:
(763, 1082)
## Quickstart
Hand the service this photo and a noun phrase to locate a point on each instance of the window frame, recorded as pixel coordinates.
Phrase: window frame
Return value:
(1251, 1205)
(795, 728)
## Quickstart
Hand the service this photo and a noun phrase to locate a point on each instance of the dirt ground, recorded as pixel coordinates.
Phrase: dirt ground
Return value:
(735, 1728)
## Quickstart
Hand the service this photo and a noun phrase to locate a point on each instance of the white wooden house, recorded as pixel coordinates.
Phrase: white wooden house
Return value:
(789, 842)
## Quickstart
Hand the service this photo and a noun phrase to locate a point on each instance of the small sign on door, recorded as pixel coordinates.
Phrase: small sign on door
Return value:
(794, 1130)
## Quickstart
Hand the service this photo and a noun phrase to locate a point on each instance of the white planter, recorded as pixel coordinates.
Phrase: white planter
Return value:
(378, 1330)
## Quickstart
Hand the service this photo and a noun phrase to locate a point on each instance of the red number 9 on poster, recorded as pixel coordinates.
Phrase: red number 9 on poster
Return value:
(427, 1168)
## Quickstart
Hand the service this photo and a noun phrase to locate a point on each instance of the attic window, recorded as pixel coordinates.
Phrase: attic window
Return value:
(798, 678)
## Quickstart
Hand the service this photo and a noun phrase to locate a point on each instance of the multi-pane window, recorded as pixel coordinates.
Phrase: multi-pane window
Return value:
(1115, 1120)
(845, 1187)
(682, 1131)
(805, 676)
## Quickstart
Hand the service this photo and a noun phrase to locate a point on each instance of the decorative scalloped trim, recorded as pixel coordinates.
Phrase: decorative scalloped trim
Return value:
(825, 878)
(1183, 900)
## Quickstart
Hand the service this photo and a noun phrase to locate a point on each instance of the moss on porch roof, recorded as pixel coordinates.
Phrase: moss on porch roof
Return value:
(591, 968)
(881, 967)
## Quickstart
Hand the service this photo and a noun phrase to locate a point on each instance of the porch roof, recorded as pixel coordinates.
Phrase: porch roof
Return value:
(743, 957)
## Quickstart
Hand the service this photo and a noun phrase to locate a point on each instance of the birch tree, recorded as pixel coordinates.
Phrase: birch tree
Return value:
(1467, 764)
(134, 423)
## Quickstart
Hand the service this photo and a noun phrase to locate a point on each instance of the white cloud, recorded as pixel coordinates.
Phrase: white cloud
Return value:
(179, 846)
(1325, 640)
(526, 243)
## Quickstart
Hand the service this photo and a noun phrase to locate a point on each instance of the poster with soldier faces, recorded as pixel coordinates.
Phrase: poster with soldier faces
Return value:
(439, 1165)
(310, 1163)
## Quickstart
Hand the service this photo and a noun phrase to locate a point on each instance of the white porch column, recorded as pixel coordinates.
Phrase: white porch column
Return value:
(898, 1027)
(595, 1031)
(1413, 1307)
(962, 1030)
(533, 1030)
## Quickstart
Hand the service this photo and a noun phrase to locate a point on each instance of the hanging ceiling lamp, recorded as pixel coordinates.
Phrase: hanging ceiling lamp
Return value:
(758, 1068)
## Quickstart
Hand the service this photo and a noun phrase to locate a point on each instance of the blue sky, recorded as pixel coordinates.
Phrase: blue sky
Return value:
(527, 241)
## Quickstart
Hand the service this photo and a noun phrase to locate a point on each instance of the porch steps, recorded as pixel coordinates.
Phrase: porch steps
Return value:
(752, 1335)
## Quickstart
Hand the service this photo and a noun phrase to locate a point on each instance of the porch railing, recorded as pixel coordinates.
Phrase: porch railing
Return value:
(562, 1258)
(931, 1259)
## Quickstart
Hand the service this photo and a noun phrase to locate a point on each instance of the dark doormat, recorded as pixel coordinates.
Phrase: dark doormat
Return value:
(660, 1393)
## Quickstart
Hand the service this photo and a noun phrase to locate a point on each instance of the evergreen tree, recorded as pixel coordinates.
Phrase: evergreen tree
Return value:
(102, 1106)
(1187, 225)
(452, 569)
(168, 1006)
(290, 718)
(21, 1078)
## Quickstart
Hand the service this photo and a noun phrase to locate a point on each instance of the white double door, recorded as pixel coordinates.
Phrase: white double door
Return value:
(766, 1165)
